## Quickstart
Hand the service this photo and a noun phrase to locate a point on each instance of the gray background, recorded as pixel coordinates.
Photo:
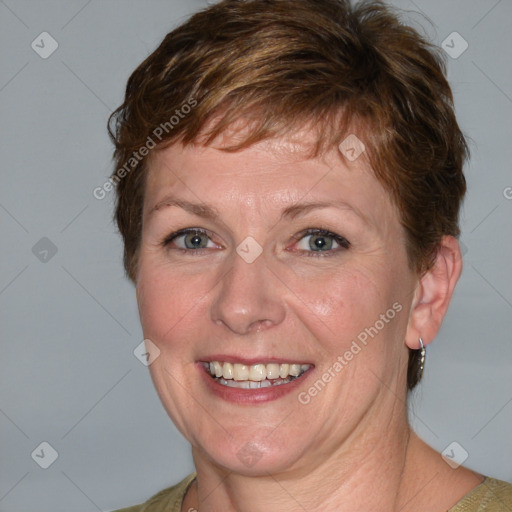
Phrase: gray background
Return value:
(69, 324)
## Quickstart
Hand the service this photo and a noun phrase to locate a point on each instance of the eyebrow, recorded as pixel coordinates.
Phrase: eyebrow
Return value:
(199, 209)
(210, 212)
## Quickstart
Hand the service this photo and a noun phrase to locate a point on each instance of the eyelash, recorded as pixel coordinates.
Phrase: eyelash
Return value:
(341, 241)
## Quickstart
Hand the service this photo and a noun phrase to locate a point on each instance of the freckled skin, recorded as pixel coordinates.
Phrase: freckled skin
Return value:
(285, 304)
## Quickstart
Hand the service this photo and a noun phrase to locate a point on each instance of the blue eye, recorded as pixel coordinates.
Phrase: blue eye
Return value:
(189, 239)
(311, 242)
(318, 241)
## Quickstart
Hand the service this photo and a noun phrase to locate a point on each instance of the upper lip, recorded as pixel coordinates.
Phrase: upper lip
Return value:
(249, 361)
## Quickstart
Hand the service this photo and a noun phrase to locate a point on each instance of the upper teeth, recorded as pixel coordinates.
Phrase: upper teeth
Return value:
(256, 372)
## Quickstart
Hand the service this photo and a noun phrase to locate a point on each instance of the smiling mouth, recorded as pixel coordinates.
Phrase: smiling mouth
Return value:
(254, 376)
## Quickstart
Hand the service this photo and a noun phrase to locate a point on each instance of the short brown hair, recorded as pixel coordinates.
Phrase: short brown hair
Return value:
(284, 64)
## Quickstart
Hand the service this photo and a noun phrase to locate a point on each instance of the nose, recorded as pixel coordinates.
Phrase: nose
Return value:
(248, 298)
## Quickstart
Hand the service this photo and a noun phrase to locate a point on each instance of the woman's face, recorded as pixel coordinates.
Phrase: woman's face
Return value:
(249, 285)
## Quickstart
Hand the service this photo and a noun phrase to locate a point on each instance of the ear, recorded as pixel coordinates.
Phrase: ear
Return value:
(433, 294)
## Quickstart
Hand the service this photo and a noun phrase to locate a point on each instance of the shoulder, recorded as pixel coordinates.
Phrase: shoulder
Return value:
(491, 495)
(168, 500)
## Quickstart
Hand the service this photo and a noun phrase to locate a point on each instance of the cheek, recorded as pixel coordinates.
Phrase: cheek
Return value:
(356, 312)
(167, 299)
(342, 301)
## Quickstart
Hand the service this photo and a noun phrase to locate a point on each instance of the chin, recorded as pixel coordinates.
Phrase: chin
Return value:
(252, 456)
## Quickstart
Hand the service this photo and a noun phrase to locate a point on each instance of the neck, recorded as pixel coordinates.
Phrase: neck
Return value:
(373, 473)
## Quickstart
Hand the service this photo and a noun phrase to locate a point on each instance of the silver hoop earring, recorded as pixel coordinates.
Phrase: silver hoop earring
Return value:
(423, 354)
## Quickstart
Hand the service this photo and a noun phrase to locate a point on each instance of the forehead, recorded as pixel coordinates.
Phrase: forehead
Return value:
(270, 175)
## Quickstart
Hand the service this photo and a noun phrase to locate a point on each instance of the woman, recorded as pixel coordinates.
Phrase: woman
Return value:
(289, 177)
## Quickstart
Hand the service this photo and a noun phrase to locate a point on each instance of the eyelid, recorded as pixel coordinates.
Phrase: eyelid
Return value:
(186, 231)
(340, 240)
(318, 231)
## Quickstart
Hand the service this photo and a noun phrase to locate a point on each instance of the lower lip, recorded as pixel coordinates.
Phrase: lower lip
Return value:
(250, 396)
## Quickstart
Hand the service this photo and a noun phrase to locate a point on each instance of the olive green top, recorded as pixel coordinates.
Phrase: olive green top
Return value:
(490, 496)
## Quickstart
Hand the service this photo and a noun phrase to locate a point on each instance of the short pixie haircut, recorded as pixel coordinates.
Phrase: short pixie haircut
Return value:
(279, 66)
